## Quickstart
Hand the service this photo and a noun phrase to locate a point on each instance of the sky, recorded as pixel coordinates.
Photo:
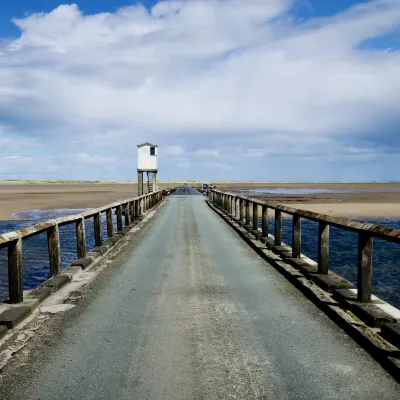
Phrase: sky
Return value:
(275, 90)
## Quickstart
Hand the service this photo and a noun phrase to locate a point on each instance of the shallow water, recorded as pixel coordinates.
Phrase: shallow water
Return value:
(35, 261)
(343, 251)
(305, 190)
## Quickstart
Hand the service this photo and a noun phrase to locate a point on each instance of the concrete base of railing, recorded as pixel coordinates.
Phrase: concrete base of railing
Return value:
(12, 315)
(331, 293)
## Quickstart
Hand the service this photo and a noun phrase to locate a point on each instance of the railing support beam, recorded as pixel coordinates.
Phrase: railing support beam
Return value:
(80, 238)
(323, 248)
(255, 217)
(296, 236)
(53, 245)
(364, 267)
(98, 239)
(15, 285)
(110, 228)
(264, 221)
(278, 228)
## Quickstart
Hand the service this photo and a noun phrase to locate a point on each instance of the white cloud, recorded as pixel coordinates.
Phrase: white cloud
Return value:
(86, 159)
(174, 151)
(208, 152)
(200, 71)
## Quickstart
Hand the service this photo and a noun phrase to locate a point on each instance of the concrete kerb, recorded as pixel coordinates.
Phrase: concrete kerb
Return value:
(368, 337)
(12, 315)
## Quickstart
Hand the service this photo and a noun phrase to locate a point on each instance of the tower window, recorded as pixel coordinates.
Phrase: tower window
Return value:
(152, 151)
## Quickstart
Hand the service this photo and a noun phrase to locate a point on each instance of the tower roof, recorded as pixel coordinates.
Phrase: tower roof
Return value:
(147, 144)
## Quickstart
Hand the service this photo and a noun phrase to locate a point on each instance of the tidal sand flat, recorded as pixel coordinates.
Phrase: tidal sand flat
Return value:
(17, 198)
(348, 200)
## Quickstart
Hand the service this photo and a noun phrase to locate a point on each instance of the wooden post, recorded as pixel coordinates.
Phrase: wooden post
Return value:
(110, 228)
(296, 236)
(278, 227)
(132, 210)
(127, 216)
(247, 212)
(119, 218)
(53, 246)
(242, 211)
(98, 240)
(255, 217)
(364, 267)
(323, 248)
(140, 183)
(233, 206)
(237, 205)
(15, 284)
(80, 238)
(264, 221)
(137, 208)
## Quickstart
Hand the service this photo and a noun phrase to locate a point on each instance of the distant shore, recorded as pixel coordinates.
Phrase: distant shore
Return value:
(46, 196)
(381, 201)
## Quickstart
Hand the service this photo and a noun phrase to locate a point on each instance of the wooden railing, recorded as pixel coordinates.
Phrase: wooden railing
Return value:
(133, 208)
(239, 207)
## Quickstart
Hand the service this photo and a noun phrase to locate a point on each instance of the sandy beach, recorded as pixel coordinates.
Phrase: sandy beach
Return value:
(380, 200)
(23, 197)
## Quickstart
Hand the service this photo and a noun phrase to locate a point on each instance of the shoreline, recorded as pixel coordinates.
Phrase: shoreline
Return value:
(381, 202)
(368, 201)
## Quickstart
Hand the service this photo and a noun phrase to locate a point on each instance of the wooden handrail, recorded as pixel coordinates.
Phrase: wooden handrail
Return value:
(366, 233)
(134, 207)
(377, 231)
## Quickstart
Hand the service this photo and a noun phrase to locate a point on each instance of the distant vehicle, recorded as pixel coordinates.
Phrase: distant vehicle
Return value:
(206, 186)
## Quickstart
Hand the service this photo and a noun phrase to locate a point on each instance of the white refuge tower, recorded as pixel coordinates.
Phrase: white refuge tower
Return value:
(147, 163)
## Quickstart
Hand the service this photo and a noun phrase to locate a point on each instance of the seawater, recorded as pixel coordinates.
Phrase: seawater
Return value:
(35, 259)
(305, 190)
(343, 249)
(342, 260)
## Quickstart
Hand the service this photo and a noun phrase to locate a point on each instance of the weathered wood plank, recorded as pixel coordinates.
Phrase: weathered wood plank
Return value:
(323, 248)
(98, 239)
(110, 227)
(119, 218)
(296, 236)
(15, 285)
(255, 217)
(127, 215)
(242, 210)
(377, 231)
(53, 246)
(278, 228)
(264, 221)
(80, 238)
(247, 212)
(365, 243)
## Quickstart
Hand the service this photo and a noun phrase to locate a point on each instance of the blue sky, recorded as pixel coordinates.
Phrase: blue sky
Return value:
(255, 89)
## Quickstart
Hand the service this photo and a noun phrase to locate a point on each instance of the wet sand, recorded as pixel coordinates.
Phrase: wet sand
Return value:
(383, 203)
(24, 197)
(383, 200)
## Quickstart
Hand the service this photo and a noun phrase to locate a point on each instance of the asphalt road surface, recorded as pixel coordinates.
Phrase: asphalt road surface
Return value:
(191, 312)
(186, 190)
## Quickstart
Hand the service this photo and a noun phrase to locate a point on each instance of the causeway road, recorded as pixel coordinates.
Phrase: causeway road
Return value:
(189, 311)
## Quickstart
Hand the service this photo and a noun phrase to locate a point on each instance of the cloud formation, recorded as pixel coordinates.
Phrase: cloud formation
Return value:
(227, 84)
